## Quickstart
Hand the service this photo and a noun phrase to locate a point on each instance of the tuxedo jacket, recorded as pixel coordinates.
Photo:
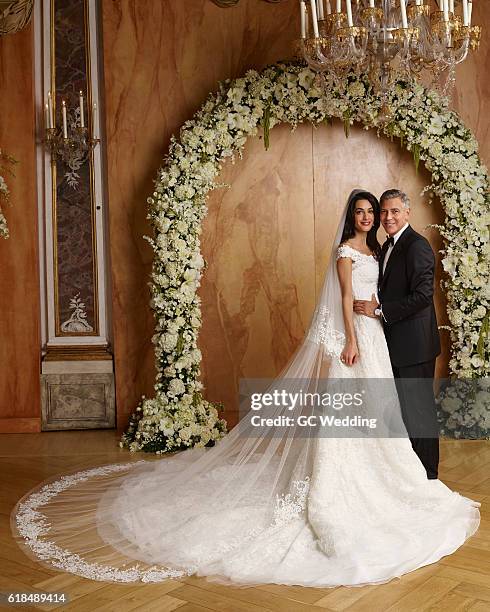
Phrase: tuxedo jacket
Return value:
(405, 292)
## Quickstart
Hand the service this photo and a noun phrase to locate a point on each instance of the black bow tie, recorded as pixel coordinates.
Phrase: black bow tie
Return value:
(390, 241)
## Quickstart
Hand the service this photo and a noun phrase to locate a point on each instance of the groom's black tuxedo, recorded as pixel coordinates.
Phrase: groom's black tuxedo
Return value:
(405, 292)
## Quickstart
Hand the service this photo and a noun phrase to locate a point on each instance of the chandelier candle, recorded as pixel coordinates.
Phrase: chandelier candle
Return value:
(403, 10)
(470, 8)
(320, 12)
(465, 13)
(314, 18)
(302, 8)
(371, 3)
(339, 6)
(445, 10)
(329, 8)
(350, 23)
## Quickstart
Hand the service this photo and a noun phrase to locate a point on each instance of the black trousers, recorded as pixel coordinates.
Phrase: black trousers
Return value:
(416, 395)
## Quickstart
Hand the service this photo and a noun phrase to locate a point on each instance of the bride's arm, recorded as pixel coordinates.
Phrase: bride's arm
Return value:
(350, 354)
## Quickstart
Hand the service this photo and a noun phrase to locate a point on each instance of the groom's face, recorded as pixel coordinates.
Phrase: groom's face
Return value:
(393, 215)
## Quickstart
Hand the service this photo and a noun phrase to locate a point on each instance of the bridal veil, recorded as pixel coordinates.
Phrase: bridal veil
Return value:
(211, 511)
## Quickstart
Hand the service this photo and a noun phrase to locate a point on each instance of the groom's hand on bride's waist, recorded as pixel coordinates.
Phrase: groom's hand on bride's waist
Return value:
(366, 307)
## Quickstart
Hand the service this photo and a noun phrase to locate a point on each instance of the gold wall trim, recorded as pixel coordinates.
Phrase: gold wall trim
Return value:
(96, 325)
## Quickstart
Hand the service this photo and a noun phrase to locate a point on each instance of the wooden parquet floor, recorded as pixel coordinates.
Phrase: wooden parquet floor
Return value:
(458, 582)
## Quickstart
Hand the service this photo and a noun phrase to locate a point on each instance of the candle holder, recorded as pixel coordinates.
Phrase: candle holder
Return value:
(71, 144)
(420, 10)
(404, 34)
(334, 21)
(472, 34)
(475, 37)
(372, 13)
(74, 150)
(351, 32)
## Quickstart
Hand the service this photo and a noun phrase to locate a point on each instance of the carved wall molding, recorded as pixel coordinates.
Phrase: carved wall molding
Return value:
(14, 15)
(230, 3)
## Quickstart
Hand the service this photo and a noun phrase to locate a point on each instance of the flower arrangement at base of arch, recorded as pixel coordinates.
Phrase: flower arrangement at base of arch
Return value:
(178, 416)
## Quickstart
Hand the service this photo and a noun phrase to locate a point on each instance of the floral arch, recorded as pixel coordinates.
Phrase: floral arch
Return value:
(179, 416)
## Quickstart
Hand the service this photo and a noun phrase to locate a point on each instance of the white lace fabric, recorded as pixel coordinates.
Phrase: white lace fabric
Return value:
(285, 508)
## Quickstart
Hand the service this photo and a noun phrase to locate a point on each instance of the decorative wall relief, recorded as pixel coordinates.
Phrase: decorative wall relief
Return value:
(14, 15)
(78, 319)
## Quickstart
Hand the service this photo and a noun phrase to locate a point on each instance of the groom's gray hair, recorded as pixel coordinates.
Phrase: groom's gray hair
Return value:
(390, 194)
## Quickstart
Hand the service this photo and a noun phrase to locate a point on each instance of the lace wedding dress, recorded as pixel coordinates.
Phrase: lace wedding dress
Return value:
(284, 508)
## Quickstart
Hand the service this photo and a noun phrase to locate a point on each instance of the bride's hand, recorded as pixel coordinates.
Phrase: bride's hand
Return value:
(350, 354)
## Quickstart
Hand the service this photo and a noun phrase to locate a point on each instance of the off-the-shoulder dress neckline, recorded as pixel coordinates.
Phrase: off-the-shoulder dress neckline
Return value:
(356, 250)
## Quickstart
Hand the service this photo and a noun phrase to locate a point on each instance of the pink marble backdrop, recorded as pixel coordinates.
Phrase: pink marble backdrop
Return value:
(267, 238)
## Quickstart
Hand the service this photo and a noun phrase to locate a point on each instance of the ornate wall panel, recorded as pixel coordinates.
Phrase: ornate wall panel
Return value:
(75, 278)
(76, 311)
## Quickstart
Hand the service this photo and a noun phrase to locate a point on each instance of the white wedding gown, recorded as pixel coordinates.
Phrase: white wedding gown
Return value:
(295, 511)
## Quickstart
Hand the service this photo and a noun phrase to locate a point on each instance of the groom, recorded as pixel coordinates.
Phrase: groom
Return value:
(406, 307)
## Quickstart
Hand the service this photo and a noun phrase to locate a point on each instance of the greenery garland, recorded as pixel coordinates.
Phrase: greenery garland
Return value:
(178, 416)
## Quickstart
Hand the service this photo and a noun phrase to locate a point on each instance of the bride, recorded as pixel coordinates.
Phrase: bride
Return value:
(268, 505)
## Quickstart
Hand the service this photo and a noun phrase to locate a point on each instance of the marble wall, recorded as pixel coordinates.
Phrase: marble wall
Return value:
(19, 284)
(267, 238)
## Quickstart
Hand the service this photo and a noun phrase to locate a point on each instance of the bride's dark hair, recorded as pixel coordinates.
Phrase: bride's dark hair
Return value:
(349, 226)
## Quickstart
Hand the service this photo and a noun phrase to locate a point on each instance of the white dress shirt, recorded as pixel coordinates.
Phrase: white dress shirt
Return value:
(392, 246)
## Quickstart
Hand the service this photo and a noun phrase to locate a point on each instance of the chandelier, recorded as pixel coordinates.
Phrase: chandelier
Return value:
(388, 39)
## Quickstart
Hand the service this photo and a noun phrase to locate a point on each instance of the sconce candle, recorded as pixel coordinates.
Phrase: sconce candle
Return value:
(82, 117)
(94, 122)
(50, 109)
(65, 126)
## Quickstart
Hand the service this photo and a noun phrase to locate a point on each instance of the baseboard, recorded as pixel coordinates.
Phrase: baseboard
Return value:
(19, 425)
